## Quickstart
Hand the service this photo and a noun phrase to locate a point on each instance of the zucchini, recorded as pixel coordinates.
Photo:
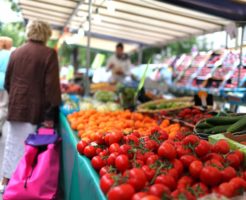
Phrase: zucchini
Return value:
(238, 126)
(217, 129)
(203, 125)
(223, 120)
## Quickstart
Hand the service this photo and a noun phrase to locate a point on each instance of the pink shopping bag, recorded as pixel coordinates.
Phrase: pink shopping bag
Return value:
(36, 176)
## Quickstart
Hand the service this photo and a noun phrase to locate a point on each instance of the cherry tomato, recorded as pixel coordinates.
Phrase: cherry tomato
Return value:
(226, 189)
(149, 173)
(210, 176)
(195, 168)
(81, 146)
(182, 150)
(174, 173)
(136, 178)
(213, 156)
(152, 159)
(150, 197)
(106, 182)
(167, 150)
(158, 190)
(238, 184)
(104, 153)
(89, 151)
(184, 182)
(98, 150)
(233, 160)
(115, 147)
(104, 170)
(191, 139)
(178, 165)
(139, 195)
(131, 139)
(228, 173)
(240, 155)
(214, 163)
(122, 162)
(166, 180)
(138, 163)
(98, 138)
(182, 194)
(124, 149)
(121, 192)
(200, 189)
(147, 155)
(111, 158)
(202, 148)
(187, 160)
(151, 145)
(221, 147)
(114, 137)
(97, 162)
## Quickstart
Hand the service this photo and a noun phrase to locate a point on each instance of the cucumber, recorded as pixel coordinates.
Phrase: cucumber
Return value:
(204, 125)
(237, 126)
(217, 129)
(223, 120)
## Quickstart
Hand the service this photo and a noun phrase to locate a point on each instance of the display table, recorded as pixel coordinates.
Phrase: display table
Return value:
(80, 180)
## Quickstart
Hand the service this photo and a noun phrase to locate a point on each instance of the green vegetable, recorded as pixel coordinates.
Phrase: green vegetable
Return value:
(152, 107)
(237, 126)
(223, 120)
(204, 125)
(217, 129)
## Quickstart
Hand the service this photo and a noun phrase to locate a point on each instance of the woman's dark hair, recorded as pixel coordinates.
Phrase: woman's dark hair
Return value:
(119, 45)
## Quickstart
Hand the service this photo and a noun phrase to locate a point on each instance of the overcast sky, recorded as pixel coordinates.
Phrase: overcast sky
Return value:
(6, 14)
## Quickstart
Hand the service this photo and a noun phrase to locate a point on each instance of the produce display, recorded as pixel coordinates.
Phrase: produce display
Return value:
(91, 104)
(157, 167)
(162, 105)
(71, 88)
(102, 86)
(190, 115)
(105, 96)
(221, 124)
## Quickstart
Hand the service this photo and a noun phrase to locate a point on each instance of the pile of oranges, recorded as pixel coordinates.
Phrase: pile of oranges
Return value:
(91, 123)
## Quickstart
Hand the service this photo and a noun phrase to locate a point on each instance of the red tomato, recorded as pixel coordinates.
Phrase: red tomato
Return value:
(182, 150)
(158, 190)
(89, 151)
(210, 176)
(187, 160)
(111, 158)
(202, 148)
(178, 165)
(191, 139)
(106, 182)
(131, 139)
(166, 180)
(104, 153)
(228, 173)
(139, 156)
(200, 189)
(121, 192)
(97, 162)
(233, 160)
(184, 182)
(149, 173)
(81, 146)
(195, 168)
(238, 184)
(213, 156)
(98, 150)
(114, 137)
(240, 155)
(136, 178)
(151, 145)
(147, 155)
(244, 175)
(139, 195)
(214, 163)
(115, 147)
(103, 171)
(174, 173)
(152, 159)
(150, 197)
(124, 149)
(167, 150)
(98, 138)
(182, 194)
(221, 147)
(226, 189)
(122, 162)
(138, 163)
(136, 134)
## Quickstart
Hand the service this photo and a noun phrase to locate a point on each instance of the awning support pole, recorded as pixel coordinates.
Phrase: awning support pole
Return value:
(241, 57)
(88, 57)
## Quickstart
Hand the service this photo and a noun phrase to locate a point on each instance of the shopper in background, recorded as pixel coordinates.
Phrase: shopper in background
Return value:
(119, 64)
(32, 81)
(5, 46)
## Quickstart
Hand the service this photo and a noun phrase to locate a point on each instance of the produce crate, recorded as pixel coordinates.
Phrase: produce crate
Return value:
(184, 103)
(233, 141)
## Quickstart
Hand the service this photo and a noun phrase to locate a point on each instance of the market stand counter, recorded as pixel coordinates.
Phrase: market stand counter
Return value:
(80, 180)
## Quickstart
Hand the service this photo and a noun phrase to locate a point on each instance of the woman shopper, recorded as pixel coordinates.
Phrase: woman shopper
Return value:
(32, 81)
(5, 46)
